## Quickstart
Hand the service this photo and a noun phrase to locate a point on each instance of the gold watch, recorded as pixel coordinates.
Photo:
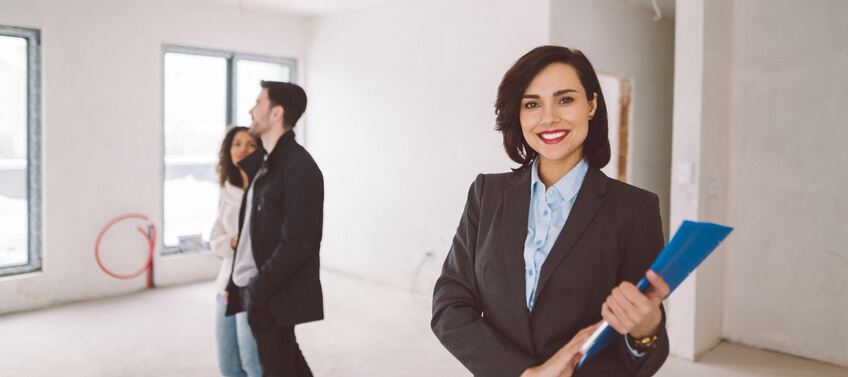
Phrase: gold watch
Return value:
(643, 344)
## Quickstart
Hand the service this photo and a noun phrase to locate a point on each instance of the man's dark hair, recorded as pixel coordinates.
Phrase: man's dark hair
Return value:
(596, 147)
(290, 96)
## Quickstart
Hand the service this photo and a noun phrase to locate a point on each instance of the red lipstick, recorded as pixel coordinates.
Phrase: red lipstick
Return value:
(553, 137)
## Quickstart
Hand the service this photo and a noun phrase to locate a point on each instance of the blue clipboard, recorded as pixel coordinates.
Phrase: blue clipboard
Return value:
(692, 243)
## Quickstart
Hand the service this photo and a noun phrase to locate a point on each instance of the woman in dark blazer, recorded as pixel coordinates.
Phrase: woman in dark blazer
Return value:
(544, 253)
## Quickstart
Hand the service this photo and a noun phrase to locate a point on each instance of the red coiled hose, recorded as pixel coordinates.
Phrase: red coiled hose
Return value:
(150, 235)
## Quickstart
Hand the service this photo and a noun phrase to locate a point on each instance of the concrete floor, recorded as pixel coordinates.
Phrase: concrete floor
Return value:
(370, 330)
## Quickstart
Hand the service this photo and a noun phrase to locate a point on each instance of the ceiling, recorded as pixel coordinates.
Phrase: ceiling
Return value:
(315, 7)
(322, 7)
(666, 6)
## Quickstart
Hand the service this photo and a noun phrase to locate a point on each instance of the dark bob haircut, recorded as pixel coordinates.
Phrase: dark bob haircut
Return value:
(227, 169)
(596, 147)
(290, 96)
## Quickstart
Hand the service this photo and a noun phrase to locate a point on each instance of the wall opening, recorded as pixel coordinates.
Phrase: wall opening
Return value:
(617, 96)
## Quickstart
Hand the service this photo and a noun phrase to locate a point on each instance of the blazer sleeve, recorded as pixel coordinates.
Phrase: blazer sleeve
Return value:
(643, 246)
(457, 310)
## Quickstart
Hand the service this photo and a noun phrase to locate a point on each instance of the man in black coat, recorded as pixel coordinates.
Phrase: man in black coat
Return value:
(275, 275)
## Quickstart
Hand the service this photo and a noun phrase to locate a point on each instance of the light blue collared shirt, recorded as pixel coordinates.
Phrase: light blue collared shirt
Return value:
(548, 211)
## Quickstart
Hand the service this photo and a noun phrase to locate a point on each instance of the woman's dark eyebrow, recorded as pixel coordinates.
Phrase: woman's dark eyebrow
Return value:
(557, 93)
(561, 92)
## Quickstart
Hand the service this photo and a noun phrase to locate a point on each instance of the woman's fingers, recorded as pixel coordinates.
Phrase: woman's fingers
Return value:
(569, 370)
(612, 319)
(572, 348)
(626, 308)
(581, 336)
(629, 300)
(642, 305)
(658, 290)
(569, 354)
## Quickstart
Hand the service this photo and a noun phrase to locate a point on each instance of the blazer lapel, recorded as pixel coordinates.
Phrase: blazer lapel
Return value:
(589, 200)
(515, 211)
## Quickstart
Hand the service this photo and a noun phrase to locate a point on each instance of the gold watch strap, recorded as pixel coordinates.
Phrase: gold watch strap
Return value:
(644, 343)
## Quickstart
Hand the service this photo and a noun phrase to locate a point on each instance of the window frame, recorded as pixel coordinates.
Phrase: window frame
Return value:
(34, 178)
(232, 59)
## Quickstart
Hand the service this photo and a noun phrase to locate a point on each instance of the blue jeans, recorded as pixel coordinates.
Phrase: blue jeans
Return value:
(237, 355)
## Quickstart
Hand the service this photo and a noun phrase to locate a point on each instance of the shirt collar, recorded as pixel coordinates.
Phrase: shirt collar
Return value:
(567, 186)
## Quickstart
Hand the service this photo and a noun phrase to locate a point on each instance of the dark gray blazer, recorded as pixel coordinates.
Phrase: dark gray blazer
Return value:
(614, 233)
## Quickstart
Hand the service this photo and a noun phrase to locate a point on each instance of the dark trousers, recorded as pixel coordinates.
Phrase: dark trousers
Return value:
(279, 353)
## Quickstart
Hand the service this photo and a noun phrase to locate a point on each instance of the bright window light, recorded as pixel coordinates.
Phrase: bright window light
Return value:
(19, 191)
(200, 87)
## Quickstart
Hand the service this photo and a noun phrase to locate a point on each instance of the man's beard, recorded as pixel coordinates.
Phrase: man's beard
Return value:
(254, 129)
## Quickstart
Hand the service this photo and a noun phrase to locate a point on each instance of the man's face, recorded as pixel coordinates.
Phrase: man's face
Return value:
(261, 114)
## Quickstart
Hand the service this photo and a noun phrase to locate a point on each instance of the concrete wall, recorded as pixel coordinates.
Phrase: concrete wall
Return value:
(401, 120)
(786, 278)
(626, 42)
(758, 120)
(102, 74)
(701, 175)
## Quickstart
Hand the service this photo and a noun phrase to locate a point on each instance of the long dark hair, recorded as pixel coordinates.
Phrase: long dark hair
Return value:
(227, 169)
(596, 148)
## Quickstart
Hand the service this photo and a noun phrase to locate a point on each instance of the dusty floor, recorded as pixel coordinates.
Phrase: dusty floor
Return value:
(370, 330)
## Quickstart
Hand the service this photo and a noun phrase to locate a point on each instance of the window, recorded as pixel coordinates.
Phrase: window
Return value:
(204, 91)
(20, 152)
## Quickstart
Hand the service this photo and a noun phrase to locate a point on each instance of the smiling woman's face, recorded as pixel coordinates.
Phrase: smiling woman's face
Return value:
(555, 115)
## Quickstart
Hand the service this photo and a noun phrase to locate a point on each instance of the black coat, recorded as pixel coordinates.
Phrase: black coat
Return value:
(285, 229)
(613, 233)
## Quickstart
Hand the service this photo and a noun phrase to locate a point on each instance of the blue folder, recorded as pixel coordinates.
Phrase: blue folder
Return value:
(692, 243)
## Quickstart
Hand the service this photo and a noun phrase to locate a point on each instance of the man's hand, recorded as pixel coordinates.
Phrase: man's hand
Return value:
(234, 242)
(630, 311)
(253, 298)
(562, 363)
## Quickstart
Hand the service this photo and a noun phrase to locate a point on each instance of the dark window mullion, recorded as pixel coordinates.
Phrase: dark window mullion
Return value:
(34, 148)
(232, 83)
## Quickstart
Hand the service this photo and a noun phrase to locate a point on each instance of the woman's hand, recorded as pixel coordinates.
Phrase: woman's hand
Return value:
(630, 311)
(234, 242)
(562, 363)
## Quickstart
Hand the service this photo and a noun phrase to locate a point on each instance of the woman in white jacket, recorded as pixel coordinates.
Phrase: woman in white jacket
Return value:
(237, 354)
